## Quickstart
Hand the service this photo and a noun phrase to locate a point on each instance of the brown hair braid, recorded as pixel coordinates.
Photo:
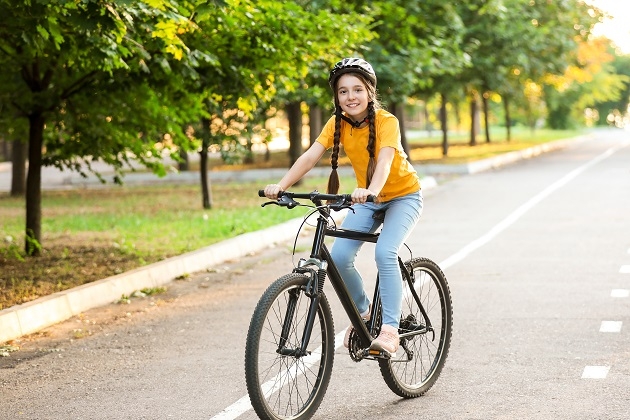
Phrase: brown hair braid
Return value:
(333, 179)
(371, 144)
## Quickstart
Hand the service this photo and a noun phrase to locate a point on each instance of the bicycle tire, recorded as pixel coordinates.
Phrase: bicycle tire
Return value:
(281, 386)
(420, 358)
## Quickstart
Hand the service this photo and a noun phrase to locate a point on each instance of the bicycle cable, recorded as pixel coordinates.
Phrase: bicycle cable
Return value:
(306, 217)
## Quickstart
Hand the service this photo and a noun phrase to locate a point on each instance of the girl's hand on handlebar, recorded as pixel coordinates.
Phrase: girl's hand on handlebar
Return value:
(272, 191)
(360, 195)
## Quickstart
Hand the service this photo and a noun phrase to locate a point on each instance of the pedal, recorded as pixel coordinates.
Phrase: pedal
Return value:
(379, 354)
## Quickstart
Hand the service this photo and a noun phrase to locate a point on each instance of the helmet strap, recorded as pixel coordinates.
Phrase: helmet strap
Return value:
(355, 124)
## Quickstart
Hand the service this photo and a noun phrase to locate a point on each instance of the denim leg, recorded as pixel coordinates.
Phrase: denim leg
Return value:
(400, 218)
(344, 252)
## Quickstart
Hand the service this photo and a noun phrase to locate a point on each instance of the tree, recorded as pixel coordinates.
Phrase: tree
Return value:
(418, 43)
(259, 49)
(52, 53)
(591, 80)
(613, 110)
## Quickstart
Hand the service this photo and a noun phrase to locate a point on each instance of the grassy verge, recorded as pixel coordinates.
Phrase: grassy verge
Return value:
(92, 234)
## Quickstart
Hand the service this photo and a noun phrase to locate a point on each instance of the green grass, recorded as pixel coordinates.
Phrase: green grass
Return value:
(151, 220)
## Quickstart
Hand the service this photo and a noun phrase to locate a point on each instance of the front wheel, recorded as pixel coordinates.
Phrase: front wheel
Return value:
(283, 383)
(423, 349)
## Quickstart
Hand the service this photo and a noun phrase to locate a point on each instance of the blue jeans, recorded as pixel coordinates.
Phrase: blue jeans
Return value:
(401, 216)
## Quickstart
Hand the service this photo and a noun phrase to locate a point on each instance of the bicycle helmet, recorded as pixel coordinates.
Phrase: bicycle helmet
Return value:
(352, 65)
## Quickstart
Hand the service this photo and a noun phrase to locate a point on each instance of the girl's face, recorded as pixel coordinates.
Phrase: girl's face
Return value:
(352, 96)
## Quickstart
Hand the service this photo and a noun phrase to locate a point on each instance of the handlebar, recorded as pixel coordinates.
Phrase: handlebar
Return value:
(286, 199)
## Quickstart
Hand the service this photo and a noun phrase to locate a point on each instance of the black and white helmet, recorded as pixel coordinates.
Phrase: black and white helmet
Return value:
(352, 65)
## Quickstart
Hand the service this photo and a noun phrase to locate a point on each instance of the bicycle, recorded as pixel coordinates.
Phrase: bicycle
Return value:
(291, 339)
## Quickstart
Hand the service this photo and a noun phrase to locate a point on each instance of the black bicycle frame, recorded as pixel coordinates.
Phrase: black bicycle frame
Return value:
(320, 257)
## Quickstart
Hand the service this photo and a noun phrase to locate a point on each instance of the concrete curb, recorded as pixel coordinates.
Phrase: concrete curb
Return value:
(33, 316)
(498, 161)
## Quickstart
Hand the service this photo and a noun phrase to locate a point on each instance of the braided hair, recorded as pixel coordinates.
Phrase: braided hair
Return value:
(373, 106)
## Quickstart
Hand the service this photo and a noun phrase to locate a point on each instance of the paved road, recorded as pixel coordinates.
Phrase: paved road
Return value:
(537, 256)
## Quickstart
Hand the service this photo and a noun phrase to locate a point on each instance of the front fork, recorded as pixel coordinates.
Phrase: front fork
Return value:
(313, 290)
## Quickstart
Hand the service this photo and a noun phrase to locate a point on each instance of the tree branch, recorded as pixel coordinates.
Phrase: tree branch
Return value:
(78, 85)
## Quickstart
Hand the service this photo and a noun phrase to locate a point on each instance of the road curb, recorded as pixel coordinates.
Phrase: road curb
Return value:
(33, 316)
(498, 161)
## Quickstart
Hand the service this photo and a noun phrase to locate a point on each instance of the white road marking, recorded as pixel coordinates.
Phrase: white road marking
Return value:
(610, 326)
(516, 214)
(619, 293)
(595, 372)
(625, 269)
(243, 405)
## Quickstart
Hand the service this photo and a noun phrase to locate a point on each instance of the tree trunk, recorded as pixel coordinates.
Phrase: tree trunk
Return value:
(18, 168)
(314, 122)
(398, 110)
(184, 163)
(508, 118)
(444, 124)
(473, 119)
(484, 101)
(294, 115)
(249, 155)
(33, 239)
(5, 150)
(203, 164)
(427, 123)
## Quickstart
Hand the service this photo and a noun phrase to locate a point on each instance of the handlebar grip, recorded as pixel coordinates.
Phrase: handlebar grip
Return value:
(261, 193)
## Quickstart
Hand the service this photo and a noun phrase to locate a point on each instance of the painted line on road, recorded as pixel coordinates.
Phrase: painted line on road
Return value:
(519, 212)
(610, 326)
(595, 372)
(243, 405)
(619, 293)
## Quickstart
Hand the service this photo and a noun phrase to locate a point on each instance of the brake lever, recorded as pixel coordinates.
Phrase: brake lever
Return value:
(286, 201)
(340, 205)
(283, 201)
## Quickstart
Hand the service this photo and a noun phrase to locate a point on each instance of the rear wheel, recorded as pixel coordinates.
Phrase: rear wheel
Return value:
(423, 350)
(282, 383)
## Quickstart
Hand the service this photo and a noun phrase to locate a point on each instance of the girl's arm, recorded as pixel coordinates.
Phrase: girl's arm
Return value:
(305, 163)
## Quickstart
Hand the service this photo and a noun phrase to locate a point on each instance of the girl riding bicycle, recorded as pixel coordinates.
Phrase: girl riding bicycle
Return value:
(371, 139)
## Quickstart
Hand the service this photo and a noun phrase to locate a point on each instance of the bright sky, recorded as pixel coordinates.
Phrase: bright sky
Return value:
(617, 28)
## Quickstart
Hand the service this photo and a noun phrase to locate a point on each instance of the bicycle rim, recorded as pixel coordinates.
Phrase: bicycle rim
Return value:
(420, 358)
(281, 386)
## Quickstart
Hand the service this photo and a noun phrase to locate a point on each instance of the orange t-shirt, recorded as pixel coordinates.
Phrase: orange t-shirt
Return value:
(402, 179)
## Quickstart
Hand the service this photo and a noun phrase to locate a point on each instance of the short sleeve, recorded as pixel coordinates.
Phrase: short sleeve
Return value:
(326, 137)
(388, 131)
